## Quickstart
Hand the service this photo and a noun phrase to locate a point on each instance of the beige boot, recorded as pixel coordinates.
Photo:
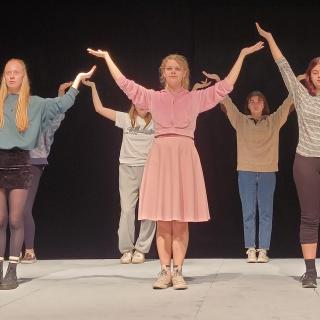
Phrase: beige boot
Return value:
(252, 257)
(177, 279)
(262, 256)
(164, 278)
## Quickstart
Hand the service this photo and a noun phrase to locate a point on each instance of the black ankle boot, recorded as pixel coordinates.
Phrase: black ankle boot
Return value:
(10, 280)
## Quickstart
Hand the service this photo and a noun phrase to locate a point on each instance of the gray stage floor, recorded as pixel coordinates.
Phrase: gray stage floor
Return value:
(104, 289)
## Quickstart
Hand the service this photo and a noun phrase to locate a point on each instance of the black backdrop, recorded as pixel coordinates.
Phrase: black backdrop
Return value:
(77, 206)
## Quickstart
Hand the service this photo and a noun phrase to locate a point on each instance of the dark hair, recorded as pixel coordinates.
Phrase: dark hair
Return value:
(308, 83)
(259, 94)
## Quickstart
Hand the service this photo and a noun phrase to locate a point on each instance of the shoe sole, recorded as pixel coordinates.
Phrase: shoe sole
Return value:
(312, 286)
(164, 287)
(180, 287)
(28, 262)
(137, 262)
(4, 287)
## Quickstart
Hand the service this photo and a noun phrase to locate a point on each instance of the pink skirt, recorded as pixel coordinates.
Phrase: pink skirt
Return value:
(173, 186)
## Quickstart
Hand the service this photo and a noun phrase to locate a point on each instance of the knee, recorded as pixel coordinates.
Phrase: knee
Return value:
(16, 223)
(3, 223)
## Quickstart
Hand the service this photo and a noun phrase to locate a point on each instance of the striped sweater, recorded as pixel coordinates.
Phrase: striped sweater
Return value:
(308, 111)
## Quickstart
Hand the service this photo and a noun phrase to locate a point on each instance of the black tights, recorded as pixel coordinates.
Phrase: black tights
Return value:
(12, 204)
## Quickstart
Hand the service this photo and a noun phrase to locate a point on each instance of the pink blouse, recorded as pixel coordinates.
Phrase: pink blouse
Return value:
(174, 113)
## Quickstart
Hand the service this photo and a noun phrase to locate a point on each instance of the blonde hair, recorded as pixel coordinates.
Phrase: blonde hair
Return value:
(133, 116)
(22, 121)
(183, 63)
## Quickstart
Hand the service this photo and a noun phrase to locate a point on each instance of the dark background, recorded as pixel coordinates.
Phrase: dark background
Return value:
(77, 206)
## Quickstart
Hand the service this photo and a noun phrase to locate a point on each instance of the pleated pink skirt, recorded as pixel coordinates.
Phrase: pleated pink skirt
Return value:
(173, 186)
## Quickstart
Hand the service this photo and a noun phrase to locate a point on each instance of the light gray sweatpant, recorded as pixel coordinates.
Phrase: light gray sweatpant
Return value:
(129, 185)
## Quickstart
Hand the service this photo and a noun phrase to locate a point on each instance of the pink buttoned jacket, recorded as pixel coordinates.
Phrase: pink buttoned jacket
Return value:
(174, 113)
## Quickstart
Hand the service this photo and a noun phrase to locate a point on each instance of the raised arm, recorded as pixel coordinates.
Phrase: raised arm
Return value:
(235, 70)
(105, 112)
(139, 95)
(275, 51)
(51, 107)
(114, 70)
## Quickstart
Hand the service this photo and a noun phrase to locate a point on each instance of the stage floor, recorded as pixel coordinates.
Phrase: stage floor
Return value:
(104, 289)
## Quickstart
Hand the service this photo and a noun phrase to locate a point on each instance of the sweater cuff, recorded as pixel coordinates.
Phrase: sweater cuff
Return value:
(74, 92)
(121, 80)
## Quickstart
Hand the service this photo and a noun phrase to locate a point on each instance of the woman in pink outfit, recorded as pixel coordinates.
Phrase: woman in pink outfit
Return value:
(173, 191)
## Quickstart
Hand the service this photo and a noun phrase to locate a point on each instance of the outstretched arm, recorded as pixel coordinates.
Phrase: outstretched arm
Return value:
(105, 112)
(138, 94)
(275, 51)
(235, 70)
(114, 70)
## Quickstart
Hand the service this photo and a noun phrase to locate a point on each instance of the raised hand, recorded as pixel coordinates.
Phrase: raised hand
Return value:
(212, 76)
(98, 53)
(88, 83)
(263, 33)
(82, 76)
(85, 75)
(201, 85)
(301, 77)
(63, 87)
(256, 47)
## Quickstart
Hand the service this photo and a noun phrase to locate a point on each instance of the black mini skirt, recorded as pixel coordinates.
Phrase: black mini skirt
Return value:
(15, 169)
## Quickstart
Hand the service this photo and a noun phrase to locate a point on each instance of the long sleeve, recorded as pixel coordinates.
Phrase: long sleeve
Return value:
(139, 95)
(210, 97)
(293, 85)
(280, 116)
(52, 107)
(232, 111)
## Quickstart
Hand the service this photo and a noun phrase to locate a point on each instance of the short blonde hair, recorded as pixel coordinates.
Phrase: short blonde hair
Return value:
(22, 121)
(183, 63)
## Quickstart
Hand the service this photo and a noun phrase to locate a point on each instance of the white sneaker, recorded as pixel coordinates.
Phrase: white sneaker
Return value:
(138, 257)
(251, 252)
(126, 257)
(263, 257)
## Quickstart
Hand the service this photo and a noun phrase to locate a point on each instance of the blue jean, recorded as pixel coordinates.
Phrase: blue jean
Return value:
(257, 188)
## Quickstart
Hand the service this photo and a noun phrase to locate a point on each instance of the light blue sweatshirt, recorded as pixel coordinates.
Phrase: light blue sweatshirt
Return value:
(41, 113)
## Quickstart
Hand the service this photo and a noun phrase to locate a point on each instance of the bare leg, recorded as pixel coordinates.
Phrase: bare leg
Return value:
(164, 242)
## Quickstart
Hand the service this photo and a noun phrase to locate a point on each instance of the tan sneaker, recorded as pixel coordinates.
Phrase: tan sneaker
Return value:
(252, 257)
(126, 257)
(138, 257)
(263, 257)
(177, 280)
(28, 258)
(164, 279)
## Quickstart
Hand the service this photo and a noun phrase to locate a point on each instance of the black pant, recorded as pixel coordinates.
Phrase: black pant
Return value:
(306, 172)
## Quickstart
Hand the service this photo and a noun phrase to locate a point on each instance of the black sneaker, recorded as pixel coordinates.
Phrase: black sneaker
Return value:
(10, 280)
(309, 280)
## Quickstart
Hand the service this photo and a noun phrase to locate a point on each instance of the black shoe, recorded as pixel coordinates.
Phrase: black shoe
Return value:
(309, 280)
(10, 280)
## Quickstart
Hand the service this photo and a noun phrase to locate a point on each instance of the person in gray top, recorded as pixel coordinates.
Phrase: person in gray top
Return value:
(38, 157)
(22, 120)
(306, 167)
